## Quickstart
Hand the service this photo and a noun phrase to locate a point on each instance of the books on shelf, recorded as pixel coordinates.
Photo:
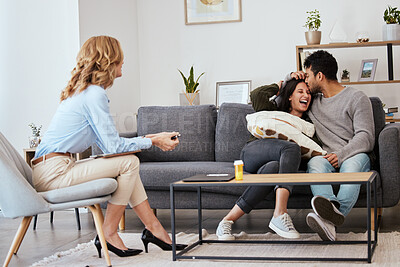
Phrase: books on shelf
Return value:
(392, 110)
(389, 111)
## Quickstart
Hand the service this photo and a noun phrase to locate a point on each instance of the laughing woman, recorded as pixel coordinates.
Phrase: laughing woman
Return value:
(82, 119)
(264, 156)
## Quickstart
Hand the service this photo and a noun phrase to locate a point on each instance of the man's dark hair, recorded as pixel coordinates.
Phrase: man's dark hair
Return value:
(322, 61)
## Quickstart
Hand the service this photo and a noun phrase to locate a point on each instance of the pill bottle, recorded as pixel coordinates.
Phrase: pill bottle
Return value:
(238, 169)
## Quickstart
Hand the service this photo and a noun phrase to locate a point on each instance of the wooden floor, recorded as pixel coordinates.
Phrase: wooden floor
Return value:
(63, 234)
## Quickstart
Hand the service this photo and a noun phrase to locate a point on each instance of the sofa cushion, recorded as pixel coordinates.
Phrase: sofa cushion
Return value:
(231, 132)
(195, 123)
(379, 120)
(285, 126)
(158, 175)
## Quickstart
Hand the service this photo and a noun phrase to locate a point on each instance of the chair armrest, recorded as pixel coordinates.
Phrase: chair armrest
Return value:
(389, 161)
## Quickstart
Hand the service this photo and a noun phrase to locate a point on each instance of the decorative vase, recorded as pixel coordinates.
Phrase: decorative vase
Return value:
(345, 79)
(189, 99)
(313, 37)
(391, 32)
(34, 141)
(337, 34)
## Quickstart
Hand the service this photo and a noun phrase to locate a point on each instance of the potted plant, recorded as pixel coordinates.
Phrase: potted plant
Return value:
(391, 30)
(34, 140)
(313, 36)
(345, 76)
(191, 94)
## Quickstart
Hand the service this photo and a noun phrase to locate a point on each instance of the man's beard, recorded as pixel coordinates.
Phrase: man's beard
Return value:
(315, 89)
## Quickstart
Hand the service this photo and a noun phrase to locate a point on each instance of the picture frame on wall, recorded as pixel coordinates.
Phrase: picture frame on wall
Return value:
(367, 70)
(233, 92)
(212, 11)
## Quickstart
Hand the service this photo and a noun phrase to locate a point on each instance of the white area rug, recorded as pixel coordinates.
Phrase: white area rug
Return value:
(387, 252)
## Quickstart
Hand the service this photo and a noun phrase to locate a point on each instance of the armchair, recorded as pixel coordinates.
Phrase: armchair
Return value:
(18, 198)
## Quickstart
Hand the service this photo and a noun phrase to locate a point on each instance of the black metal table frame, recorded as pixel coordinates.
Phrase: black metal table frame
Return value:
(371, 244)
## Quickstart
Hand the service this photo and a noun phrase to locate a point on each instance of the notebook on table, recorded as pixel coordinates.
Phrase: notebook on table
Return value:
(211, 177)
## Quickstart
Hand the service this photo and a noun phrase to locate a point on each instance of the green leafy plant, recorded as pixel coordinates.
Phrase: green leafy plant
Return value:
(345, 73)
(391, 15)
(35, 129)
(190, 83)
(313, 20)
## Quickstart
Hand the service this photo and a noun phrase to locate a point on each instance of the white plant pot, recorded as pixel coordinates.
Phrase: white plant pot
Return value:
(391, 32)
(313, 37)
(189, 99)
(34, 141)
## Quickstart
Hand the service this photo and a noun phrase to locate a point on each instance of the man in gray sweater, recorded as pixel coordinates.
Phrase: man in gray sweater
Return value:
(344, 124)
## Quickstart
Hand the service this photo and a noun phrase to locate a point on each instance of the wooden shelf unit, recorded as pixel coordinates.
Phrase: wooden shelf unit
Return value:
(388, 44)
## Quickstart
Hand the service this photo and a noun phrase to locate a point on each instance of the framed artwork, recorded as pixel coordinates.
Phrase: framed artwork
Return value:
(212, 11)
(233, 92)
(367, 70)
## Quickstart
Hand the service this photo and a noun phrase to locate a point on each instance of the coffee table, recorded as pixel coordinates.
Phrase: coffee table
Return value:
(363, 178)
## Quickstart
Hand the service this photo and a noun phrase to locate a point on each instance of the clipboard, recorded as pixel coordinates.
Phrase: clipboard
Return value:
(111, 155)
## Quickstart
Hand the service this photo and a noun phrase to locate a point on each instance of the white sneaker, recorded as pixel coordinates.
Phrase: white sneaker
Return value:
(326, 210)
(283, 226)
(324, 228)
(224, 230)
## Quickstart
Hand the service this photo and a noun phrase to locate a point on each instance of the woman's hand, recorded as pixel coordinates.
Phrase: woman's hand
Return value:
(163, 140)
(279, 84)
(298, 75)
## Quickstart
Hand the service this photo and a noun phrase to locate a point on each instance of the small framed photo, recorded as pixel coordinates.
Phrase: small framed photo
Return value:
(233, 92)
(212, 11)
(367, 70)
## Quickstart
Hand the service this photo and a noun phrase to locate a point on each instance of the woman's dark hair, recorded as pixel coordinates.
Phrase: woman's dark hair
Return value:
(322, 61)
(285, 94)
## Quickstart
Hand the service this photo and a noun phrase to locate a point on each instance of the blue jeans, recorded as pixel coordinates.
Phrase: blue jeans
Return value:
(348, 193)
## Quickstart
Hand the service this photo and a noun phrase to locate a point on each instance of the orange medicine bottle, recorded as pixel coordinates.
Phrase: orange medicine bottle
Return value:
(238, 169)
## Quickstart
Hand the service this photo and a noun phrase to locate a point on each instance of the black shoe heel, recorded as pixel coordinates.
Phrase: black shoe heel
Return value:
(146, 245)
(148, 237)
(119, 252)
(98, 245)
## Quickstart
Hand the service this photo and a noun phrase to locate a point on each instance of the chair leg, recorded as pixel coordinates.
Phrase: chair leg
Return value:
(122, 222)
(78, 221)
(26, 226)
(155, 212)
(35, 222)
(98, 220)
(19, 236)
(51, 217)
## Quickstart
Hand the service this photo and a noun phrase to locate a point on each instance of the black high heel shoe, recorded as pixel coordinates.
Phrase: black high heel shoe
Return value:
(119, 252)
(148, 237)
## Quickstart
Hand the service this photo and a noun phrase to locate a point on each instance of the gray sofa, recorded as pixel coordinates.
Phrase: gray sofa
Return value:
(211, 140)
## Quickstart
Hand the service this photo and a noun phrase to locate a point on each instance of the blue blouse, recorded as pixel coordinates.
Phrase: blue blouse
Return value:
(82, 120)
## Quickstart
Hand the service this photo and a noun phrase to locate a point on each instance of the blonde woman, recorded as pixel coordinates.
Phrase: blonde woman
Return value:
(82, 119)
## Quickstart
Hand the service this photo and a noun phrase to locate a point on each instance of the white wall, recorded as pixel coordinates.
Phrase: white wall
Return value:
(117, 18)
(261, 48)
(40, 40)
(39, 43)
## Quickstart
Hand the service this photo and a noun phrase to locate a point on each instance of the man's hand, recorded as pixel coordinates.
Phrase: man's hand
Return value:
(163, 140)
(298, 75)
(333, 160)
